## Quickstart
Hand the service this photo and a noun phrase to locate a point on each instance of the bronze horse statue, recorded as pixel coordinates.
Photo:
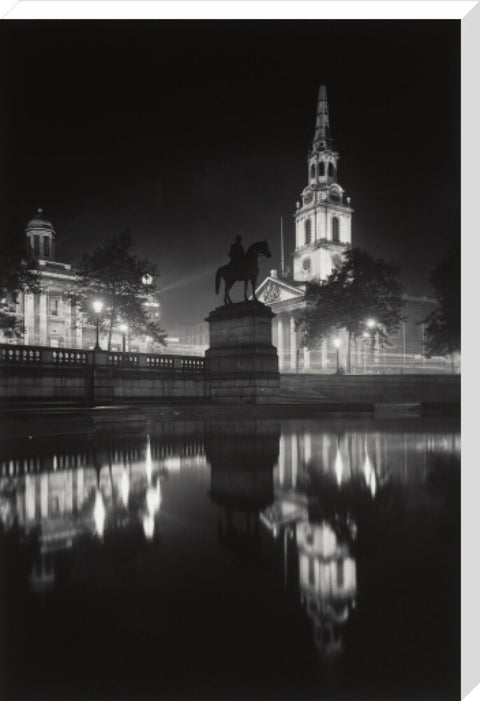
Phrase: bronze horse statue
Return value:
(246, 270)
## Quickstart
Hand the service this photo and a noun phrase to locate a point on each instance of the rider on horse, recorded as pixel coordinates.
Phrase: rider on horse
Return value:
(237, 254)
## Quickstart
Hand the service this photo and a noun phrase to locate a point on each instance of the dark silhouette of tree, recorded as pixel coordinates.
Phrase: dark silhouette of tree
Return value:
(442, 326)
(113, 273)
(362, 287)
(17, 271)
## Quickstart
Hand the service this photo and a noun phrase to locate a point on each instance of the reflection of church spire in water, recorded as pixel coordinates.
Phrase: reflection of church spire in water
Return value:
(328, 583)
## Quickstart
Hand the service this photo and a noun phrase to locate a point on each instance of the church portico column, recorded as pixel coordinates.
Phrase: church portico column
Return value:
(280, 345)
(293, 345)
(306, 358)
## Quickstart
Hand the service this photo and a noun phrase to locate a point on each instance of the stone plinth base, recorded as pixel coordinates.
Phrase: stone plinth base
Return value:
(242, 363)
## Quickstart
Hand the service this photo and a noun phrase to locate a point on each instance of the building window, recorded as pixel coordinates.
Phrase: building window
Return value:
(54, 306)
(312, 171)
(331, 169)
(308, 231)
(36, 245)
(321, 168)
(306, 265)
(311, 571)
(46, 247)
(335, 229)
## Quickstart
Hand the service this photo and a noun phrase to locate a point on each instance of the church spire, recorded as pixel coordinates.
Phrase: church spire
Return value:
(322, 140)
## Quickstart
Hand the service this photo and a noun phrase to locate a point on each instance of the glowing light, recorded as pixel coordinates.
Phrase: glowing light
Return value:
(97, 305)
(371, 323)
(148, 526)
(172, 463)
(148, 460)
(147, 279)
(369, 473)
(337, 342)
(339, 467)
(153, 498)
(99, 514)
(125, 487)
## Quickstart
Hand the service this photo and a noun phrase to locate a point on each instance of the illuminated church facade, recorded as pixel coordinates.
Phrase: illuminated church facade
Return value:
(323, 232)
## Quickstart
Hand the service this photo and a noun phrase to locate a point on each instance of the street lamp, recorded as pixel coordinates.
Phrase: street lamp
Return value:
(97, 305)
(337, 343)
(123, 328)
(147, 279)
(371, 325)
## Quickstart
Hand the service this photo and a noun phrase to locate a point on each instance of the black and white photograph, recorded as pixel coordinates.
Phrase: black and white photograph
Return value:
(230, 359)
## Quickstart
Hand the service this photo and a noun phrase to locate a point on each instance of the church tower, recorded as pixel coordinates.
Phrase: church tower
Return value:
(323, 218)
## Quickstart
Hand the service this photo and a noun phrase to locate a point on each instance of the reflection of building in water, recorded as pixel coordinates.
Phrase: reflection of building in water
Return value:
(328, 583)
(376, 456)
(86, 488)
(309, 459)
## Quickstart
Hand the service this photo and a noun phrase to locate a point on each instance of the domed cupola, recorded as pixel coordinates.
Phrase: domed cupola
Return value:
(41, 237)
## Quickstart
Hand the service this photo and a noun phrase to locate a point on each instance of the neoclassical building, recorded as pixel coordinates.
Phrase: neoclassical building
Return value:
(49, 317)
(323, 231)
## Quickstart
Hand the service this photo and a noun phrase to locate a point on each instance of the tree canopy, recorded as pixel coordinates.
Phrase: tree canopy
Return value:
(17, 272)
(442, 326)
(360, 288)
(113, 273)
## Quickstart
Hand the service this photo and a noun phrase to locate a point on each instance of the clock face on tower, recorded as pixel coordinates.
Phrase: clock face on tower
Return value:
(335, 193)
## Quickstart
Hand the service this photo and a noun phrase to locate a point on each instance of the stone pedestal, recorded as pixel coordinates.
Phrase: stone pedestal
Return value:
(242, 362)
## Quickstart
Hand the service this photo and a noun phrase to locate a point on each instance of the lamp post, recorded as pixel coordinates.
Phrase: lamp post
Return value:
(337, 343)
(124, 328)
(147, 280)
(372, 325)
(97, 305)
(366, 337)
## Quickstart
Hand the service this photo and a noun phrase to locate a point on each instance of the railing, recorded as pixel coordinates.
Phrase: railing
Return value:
(20, 355)
(71, 357)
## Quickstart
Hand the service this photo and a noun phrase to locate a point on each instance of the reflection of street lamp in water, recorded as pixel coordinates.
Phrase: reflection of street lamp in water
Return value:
(97, 305)
(153, 496)
(337, 343)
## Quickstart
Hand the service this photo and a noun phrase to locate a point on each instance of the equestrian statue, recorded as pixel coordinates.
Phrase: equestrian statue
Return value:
(242, 266)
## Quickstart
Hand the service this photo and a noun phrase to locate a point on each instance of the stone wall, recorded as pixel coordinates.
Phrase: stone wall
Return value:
(371, 388)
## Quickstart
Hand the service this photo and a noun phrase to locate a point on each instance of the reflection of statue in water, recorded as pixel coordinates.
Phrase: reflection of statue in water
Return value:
(242, 459)
(242, 266)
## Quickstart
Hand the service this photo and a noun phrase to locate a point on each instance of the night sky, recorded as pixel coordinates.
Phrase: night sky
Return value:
(191, 132)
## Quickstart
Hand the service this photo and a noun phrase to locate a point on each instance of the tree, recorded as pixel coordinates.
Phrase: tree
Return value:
(113, 273)
(361, 287)
(17, 272)
(442, 326)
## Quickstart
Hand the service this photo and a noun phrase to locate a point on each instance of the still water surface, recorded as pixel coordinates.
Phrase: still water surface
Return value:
(248, 559)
